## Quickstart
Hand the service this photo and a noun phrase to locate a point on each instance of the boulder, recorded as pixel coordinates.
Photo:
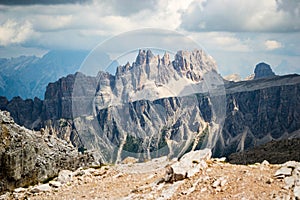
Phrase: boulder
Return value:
(64, 176)
(297, 192)
(285, 171)
(41, 188)
(189, 164)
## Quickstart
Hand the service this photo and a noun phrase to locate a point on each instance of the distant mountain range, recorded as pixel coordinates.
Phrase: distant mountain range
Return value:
(134, 111)
(28, 76)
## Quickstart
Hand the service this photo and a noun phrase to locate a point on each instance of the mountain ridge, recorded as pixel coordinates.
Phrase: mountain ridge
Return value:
(255, 112)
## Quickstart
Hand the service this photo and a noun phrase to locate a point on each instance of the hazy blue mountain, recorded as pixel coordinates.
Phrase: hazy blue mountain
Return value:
(28, 76)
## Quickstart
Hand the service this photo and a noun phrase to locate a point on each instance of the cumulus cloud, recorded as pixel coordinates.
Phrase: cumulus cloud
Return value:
(272, 44)
(236, 16)
(94, 20)
(222, 41)
(12, 32)
(51, 22)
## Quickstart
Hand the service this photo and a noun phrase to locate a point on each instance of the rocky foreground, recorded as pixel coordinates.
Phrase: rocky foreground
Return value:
(38, 165)
(30, 157)
(192, 177)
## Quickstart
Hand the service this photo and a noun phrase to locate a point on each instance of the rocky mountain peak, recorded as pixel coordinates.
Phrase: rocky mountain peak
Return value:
(149, 56)
(233, 77)
(165, 59)
(122, 69)
(143, 56)
(263, 70)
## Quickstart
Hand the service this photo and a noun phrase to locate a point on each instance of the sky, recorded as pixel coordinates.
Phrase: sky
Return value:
(238, 34)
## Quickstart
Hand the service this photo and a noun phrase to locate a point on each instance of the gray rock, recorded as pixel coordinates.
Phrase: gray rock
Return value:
(55, 184)
(265, 163)
(291, 164)
(289, 182)
(190, 164)
(50, 145)
(79, 172)
(297, 192)
(216, 183)
(5, 196)
(41, 188)
(20, 189)
(223, 159)
(297, 181)
(64, 176)
(285, 171)
(220, 182)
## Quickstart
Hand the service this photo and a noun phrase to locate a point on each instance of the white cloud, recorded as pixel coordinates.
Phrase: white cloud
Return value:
(221, 41)
(12, 32)
(51, 22)
(95, 20)
(272, 44)
(236, 15)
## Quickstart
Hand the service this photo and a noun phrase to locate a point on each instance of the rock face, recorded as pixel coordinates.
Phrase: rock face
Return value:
(263, 70)
(261, 110)
(136, 101)
(28, 157)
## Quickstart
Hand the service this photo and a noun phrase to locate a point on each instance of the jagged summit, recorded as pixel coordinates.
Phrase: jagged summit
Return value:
(187, 63)
(153, 77)
(263, 70)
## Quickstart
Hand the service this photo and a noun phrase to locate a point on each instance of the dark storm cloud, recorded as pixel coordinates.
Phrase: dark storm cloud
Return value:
(290, 6)
(40, 2)
(129, 7)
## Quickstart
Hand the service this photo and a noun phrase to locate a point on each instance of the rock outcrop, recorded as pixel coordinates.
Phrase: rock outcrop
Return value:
(28, 157)
(263, 70)
(260, 111)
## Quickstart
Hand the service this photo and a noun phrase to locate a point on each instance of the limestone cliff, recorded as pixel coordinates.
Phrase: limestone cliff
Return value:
(28, 157)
